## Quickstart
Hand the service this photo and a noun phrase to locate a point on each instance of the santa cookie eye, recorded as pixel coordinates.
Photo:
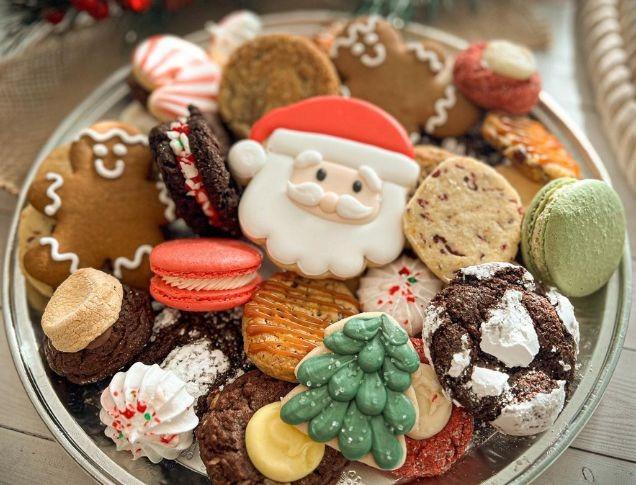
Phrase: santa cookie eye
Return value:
(321, 174)
(357, 186)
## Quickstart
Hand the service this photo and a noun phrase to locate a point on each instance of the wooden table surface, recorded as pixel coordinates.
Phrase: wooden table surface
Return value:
(604, 452)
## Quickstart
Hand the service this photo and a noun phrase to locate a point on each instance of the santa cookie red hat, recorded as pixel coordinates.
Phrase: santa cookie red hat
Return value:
(346, 131)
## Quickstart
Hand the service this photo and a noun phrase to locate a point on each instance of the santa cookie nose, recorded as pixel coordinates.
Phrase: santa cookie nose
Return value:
(328, 202)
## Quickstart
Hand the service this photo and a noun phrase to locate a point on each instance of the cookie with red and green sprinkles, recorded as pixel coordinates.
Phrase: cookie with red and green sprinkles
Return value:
(402, 289)
(462, 214)
(191, 161)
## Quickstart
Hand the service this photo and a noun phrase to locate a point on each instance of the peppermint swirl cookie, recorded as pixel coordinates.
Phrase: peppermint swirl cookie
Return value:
(502, 347)
(402, 289)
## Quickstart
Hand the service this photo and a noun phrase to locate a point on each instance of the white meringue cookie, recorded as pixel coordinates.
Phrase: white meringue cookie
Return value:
(148, 411)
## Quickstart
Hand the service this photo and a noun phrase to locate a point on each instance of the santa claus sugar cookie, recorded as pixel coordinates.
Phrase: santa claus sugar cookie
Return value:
(329, 181)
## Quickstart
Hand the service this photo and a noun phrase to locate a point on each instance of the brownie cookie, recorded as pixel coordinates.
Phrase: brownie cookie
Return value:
(464, 213)
(269, 72)
(192, 165)
(502, 347)
(113, 348)
(221, 433)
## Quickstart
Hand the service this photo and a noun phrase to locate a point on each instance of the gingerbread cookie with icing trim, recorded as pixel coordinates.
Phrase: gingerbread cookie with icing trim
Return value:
(106, 210)
(413, 81)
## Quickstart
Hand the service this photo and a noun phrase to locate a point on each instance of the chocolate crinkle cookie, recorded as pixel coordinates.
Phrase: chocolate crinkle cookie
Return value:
(503, 347)
(221, 433)
(114, 349)
(204, 349)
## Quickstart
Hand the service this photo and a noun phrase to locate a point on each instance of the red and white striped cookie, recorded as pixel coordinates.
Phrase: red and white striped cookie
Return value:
(160, 59)
(197, 85)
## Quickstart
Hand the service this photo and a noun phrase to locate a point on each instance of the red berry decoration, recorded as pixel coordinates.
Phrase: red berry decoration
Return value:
(54, 15)
(137, 6)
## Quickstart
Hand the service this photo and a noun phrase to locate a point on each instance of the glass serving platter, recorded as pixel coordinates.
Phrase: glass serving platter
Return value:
(71, 412)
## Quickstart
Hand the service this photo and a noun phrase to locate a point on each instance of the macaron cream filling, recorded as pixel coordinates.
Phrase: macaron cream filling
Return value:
(202, 284)
(180, 145)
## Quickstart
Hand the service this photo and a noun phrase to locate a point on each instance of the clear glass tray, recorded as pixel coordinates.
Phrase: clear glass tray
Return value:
(71, 414)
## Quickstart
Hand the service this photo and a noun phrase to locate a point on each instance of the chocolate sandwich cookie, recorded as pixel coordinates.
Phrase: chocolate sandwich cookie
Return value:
(502, 347)
(95, 326)
(221, 432)
(192, 165)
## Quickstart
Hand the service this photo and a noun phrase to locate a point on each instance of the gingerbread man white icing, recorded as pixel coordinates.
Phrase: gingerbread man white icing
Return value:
(325, 196)
(410, 80)
(108, 211)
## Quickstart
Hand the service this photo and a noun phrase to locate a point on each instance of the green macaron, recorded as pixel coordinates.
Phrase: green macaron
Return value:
(573, 235)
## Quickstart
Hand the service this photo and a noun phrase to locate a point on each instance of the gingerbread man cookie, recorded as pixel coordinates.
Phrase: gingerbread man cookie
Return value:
(107, 211)
(411, 80)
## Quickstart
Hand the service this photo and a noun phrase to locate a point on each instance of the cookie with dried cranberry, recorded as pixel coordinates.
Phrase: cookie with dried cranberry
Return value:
(221, 432)
(463, 213)
(192, 164)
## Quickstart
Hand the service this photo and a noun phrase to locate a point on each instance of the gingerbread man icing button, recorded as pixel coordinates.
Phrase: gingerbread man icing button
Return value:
(106, 209)
(329, 181)
(411, 80)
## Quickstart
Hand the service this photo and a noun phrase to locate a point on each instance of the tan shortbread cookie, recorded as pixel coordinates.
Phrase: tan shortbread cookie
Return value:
(286, 317)
(269, 72)
(464, 213)
(413, 81)
(81, 309)
(525, 187)
(428, 157)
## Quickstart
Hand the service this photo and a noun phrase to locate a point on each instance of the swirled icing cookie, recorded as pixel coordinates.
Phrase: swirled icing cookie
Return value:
(502, 347)
(410, 80)
(402, 289)
(107, 210)
(148, 411)
(463, 213)
(221, 434)
(286, 319)
(269, 72)
(169, 74)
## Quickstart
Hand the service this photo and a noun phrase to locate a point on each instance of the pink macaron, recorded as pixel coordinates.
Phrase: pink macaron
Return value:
(202, 275)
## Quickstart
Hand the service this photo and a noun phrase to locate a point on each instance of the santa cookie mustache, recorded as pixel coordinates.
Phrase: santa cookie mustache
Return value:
(312, 194)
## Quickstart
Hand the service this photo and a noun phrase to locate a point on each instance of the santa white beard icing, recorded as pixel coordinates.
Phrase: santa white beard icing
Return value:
(329, 183)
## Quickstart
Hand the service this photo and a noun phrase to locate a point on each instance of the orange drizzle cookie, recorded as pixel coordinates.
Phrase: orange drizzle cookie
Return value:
(536, 151)
(269, 72)
(286, 318)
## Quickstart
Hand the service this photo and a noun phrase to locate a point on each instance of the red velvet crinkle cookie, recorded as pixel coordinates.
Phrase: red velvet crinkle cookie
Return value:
(498, 75)
(436, 455)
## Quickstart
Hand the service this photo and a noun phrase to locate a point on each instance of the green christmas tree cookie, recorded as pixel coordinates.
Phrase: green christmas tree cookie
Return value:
(355, 389)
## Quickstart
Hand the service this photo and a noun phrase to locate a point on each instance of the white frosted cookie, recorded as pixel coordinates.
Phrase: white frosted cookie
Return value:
(402, 289)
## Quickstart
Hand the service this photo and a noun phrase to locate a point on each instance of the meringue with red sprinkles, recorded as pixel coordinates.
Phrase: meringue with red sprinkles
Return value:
(149, 412)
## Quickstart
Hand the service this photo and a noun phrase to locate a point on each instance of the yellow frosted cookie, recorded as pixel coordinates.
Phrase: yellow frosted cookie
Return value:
(279, 450)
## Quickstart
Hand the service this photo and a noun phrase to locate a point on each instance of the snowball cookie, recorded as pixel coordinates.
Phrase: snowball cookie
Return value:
(502, 347)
